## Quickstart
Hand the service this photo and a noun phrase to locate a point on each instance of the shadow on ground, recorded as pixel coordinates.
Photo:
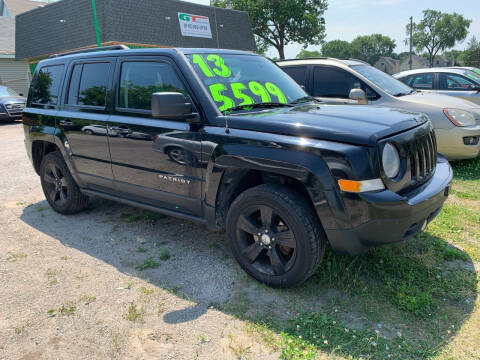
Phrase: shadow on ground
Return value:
(401, 301)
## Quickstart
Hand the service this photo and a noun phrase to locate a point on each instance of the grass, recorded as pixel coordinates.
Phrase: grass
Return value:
(412, 300)
(16, 257)
(148, 263)
(146, 216)
(134, 313)
(164, 253)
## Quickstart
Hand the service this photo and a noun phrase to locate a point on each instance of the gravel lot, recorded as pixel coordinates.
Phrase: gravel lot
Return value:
(70, 288)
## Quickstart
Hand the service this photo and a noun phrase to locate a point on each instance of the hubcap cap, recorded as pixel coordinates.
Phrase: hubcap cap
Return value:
(265, 239)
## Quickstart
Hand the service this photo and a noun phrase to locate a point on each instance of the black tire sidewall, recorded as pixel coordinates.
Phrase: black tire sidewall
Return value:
(305, 254)
(72, 188)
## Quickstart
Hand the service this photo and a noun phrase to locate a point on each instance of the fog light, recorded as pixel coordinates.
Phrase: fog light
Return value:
(471, 140)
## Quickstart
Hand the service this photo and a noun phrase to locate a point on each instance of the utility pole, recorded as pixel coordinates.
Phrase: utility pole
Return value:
(411, 30)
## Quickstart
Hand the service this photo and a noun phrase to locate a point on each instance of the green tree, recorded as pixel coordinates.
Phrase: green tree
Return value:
(471, 55)
(278, 23)
(438, 31)
(370, 48)
(337, 48)
(303, 54)
(453, 55)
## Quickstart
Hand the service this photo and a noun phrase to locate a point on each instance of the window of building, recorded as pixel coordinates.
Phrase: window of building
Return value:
(139, 80)
(46, 86)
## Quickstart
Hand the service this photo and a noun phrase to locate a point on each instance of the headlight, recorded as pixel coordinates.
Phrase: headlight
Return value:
(390, 160)
(459, 117)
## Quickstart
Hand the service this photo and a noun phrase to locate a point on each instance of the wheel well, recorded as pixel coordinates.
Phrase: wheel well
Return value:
(39, 150)
(235, 182)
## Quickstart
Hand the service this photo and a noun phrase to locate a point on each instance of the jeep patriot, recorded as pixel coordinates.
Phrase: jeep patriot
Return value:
(226, 138)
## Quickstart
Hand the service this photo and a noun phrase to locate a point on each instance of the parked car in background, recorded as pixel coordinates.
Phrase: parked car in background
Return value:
(459, 82)
(11, 104)
(456, 121)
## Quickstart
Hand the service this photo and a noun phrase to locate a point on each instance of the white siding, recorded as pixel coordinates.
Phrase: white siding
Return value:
(14, 74)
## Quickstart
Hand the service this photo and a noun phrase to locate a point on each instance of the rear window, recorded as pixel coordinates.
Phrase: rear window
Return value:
(45, 86)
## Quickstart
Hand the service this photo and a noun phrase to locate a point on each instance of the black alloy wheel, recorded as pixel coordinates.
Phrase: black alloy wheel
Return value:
(275, 235)
(60, 189)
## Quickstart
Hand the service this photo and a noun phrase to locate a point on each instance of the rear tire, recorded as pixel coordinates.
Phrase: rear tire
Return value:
(61, 191)
(275, 235)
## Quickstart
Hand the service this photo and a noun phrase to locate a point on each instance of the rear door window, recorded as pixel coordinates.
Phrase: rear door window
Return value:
(46, 86)
(88, 84)
(455, 82)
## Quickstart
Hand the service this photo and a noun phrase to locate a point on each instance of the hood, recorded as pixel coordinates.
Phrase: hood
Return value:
(439, 100)
(353, 124)
(12, 99)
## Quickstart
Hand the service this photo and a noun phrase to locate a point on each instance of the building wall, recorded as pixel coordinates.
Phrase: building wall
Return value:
(69, 24)
(14, 74)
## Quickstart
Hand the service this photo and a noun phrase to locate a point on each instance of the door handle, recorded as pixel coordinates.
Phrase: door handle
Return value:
(65, 123)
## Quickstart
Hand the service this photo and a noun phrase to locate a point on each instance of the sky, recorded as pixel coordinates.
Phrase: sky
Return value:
(346, 19)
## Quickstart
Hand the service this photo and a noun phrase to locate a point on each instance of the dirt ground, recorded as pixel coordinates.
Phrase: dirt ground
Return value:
(69, 287)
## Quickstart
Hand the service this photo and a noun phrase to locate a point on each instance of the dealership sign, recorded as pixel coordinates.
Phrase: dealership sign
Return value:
(194, 25)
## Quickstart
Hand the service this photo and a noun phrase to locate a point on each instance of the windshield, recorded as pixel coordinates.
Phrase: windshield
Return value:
(238, 80)
(472, 75)
(382, 80)
(5, 91)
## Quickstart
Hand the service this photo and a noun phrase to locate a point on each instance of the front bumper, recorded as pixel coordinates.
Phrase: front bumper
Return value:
(5, 116)
(392, 217)
(450, 142)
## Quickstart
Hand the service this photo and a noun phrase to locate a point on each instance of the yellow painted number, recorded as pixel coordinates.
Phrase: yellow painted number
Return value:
(237, 89)
(259, 90)
(216, 91)
(197, 59)
(221, 69)
(275, 90)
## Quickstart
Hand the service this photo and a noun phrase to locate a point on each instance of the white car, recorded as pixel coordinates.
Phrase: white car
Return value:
(456, 121)
(454, 81)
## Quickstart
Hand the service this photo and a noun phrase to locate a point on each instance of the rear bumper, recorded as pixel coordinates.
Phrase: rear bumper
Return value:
(392, 217)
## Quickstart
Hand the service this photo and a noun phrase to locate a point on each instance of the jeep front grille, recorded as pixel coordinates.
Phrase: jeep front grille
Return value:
(422, 153)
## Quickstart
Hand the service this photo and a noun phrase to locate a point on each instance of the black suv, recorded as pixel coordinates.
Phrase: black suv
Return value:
(226, 138)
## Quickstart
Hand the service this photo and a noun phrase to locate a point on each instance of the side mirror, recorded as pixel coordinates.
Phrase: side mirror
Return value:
(170, 105)
(359, 95)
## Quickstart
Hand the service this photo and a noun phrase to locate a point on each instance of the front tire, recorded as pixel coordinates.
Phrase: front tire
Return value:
(275, 235)
(61, 191)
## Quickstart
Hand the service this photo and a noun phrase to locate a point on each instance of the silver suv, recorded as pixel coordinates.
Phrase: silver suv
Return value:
(456, 121)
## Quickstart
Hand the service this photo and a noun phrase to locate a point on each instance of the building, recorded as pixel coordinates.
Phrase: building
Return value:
(388, 65)
(70, 25)
(418, 62)
(13, 73)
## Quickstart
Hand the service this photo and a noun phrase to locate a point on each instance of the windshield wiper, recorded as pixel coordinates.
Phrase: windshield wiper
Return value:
(405, 93)
(305, 99)
(256, 105)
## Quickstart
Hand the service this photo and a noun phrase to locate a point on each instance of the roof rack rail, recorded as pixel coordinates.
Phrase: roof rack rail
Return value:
(102, 48)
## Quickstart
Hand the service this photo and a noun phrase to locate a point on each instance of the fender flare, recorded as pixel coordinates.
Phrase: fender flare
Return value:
(228, 162)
